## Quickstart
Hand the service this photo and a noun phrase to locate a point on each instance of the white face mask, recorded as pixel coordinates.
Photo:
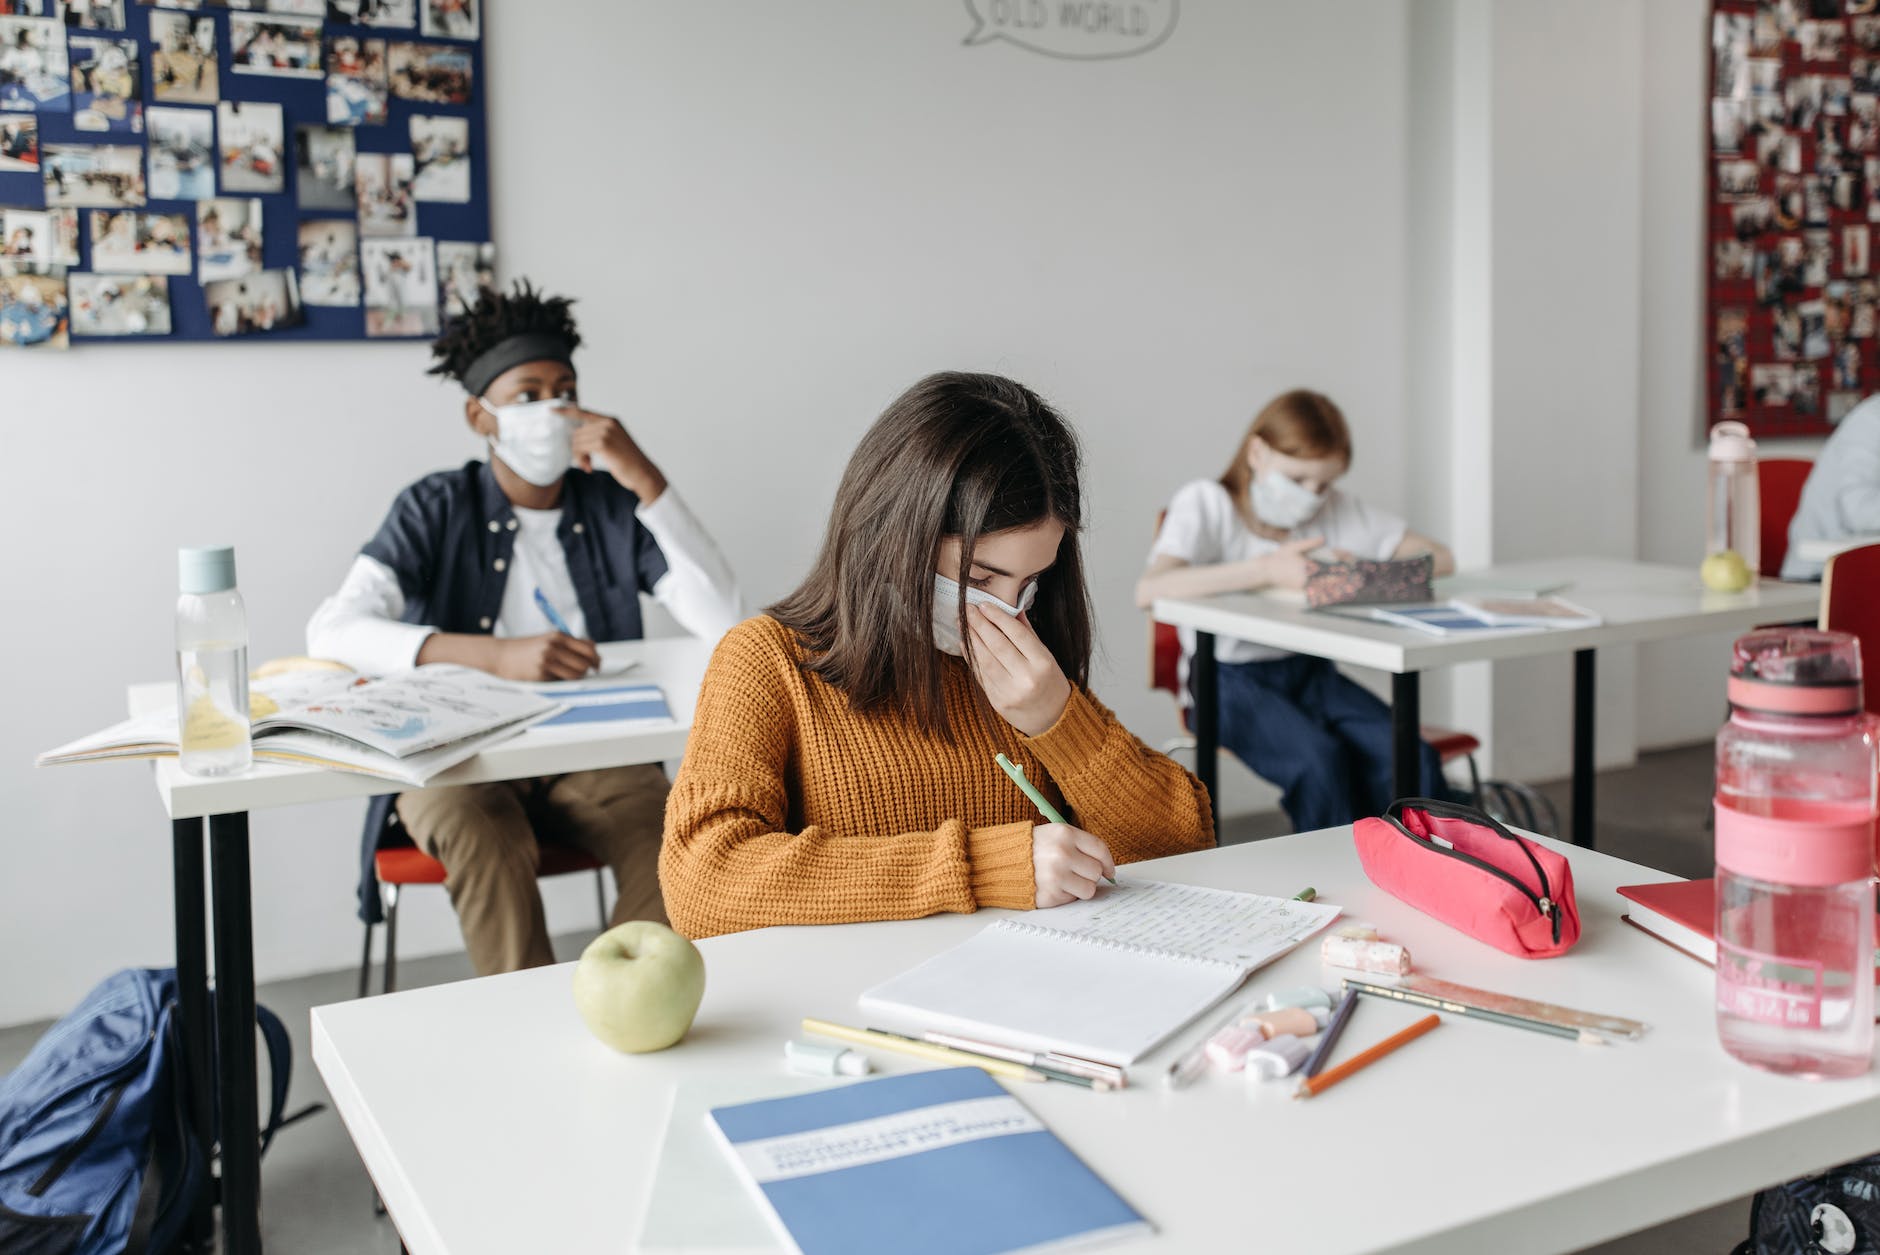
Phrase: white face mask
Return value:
(533, 439)
(946, 610)
(1284, 502)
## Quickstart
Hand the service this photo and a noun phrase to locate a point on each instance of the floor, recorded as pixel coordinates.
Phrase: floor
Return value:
(319, 1199)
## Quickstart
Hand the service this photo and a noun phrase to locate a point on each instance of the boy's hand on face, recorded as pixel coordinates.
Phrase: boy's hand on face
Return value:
(1018, 674)
(550, 656)
(602, 444)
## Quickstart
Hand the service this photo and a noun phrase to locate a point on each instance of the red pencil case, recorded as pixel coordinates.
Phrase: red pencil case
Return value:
(1467, 870)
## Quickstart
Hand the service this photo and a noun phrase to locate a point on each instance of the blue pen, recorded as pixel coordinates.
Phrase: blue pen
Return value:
(554, 619)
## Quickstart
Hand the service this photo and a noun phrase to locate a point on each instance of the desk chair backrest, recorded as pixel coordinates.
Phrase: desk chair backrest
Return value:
(1165, 645)
(1779, 485)
(1850, 602)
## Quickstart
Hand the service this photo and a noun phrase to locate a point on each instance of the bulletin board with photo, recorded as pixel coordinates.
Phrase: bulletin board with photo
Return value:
(1793, 208)
(230, 169)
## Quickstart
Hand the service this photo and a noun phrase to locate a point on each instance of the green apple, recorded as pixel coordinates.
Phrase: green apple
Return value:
(638, 986)
(1725, 572)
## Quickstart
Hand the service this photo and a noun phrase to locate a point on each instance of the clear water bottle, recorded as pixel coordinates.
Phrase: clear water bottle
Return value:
(211, 663)
(1732, 534)
(1796, 772)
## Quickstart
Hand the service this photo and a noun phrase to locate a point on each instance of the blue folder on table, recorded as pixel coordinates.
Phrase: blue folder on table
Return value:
(927, 1163)
(611, 704)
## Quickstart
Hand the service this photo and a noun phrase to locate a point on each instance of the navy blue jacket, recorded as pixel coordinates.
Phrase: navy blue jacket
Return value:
(449, 539)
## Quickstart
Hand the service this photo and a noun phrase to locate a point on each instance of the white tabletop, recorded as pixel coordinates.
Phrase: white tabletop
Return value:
(1638, 602)
(675, 664)
(492, 1122)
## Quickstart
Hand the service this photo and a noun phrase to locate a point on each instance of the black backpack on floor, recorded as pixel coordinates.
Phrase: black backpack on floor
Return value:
(1836, 1213)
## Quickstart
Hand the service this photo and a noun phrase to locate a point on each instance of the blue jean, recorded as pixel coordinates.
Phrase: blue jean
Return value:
(1323, 739)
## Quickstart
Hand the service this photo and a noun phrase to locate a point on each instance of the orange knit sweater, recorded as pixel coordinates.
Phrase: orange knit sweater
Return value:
(791, 808)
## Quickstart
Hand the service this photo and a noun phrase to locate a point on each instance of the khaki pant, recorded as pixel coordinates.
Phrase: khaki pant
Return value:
(485, 835)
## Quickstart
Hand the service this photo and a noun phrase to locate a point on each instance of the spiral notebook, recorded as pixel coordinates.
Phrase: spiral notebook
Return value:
(1108, 979)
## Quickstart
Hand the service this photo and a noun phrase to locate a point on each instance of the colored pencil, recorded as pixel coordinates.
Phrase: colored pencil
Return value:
(1315, 1085)
(1329, 1038)
(921, 1050)
(1050, 812)
(1048, 1061)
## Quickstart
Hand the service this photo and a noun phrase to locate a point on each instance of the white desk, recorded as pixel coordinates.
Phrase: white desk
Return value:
(491, 1121)
(1636, 601)
(676, 665)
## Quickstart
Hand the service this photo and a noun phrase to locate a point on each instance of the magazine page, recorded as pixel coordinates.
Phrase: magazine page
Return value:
(153, 735)
(318, 749)
(415, 711)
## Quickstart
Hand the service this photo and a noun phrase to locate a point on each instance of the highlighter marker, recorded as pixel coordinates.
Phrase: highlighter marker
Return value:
(1282, 1056)
(815, 1059)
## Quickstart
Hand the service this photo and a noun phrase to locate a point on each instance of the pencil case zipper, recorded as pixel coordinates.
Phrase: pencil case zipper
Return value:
(1543, 901)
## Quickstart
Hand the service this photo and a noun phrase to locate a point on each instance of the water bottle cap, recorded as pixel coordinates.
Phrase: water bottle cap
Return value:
(1731, 442)
(205, 568)
(1796, 671)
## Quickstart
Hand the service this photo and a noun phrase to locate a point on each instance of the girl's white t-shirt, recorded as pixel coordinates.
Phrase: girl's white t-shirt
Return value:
(1203, 528)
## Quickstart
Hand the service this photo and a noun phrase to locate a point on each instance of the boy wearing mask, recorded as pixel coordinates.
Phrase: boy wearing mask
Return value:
(568, 504)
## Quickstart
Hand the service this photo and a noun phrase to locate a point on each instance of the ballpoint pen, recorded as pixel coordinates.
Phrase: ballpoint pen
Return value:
(553, 616)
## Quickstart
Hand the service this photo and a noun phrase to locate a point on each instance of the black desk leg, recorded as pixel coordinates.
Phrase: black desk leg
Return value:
(235, 1034)
(1207, 720)
(1583, 748)
(1406, 735)
(192, 1007)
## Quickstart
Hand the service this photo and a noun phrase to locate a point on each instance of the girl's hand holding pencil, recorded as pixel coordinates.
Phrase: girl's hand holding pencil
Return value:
(1067, 864)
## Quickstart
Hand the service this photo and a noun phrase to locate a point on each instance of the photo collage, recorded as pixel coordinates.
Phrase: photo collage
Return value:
(1794, 206)
(212, 169)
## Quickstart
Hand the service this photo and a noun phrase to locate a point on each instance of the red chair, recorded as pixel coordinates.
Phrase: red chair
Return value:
(401, 865)
(1779, 484)
(1850, 602)
(1165, 652)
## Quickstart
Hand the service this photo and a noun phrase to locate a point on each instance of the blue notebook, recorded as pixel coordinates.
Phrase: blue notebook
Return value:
(926, 1163)
(614, 704)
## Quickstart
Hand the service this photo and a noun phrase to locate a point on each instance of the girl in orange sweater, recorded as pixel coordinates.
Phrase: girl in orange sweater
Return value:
(840, 764)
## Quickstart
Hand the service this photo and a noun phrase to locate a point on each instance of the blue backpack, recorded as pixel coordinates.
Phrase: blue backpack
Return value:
(96, 1153)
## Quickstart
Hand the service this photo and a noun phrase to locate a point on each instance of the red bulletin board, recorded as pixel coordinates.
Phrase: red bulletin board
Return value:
(1793, 204)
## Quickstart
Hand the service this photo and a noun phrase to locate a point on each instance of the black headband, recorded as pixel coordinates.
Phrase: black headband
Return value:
(530, 346)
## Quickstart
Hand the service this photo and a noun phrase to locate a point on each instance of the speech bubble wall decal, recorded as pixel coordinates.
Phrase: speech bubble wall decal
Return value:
(1076, 30)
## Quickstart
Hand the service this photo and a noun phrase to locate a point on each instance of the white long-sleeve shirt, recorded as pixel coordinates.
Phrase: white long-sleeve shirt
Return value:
(361, 625)
(1841, 499)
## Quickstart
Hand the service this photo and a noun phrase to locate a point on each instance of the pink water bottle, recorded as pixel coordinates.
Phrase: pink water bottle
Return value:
(1796, 801)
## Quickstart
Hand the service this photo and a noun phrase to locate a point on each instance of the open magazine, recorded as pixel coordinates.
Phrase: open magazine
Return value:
(1483, 614)
(407, 727)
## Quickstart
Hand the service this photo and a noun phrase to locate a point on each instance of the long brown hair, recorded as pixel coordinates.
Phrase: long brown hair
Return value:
(955, 455)
(1299, 424)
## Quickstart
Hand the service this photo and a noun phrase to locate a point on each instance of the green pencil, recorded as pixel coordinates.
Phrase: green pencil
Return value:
(1045, 808)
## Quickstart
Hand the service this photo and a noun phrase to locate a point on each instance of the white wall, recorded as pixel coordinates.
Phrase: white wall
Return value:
(1564, 200)
(1674, 342)
(778, 216)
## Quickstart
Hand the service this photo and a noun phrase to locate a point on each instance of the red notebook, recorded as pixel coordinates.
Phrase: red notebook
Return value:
(1683, 913)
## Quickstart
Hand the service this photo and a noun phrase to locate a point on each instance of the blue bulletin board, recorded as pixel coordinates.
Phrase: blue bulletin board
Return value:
(132, 168)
